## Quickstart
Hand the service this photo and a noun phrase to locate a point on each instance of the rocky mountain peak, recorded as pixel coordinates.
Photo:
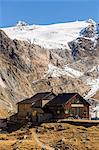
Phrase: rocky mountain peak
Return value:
(87, 41)
(21, 23)
(89, 31)
(91, 21)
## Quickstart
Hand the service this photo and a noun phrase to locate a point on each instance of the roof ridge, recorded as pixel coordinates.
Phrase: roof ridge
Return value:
(48, 95)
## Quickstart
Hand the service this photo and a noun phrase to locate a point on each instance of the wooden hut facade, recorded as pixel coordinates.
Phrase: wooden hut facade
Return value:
(67, 105)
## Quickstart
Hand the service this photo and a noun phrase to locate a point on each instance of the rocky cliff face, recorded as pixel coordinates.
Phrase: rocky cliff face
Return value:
(26, 68)
(20, 63)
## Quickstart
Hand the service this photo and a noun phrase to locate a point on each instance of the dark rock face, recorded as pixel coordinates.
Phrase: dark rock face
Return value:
(21, 54)
(86, 44)
(8, 48)
(20, 64)
(89, 31)
(81, 47)
(85, 51)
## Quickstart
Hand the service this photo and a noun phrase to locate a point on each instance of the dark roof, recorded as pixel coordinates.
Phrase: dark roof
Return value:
(37, 97)
(63, 98)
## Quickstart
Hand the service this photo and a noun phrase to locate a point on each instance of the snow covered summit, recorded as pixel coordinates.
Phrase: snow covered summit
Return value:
(55, 36)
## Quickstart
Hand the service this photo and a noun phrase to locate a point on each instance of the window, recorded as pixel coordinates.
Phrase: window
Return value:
(58, 111)
(76, 101)
(66, 112)
(70, 111)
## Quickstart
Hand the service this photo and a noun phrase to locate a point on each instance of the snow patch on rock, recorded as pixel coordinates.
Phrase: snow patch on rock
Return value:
(57, 72)
(94, 84)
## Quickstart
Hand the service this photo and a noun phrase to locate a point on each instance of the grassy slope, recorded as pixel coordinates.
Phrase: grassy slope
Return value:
(52, 135)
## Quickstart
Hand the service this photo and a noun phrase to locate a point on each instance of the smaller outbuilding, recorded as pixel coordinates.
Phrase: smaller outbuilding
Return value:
(67, 105)
(32, 108)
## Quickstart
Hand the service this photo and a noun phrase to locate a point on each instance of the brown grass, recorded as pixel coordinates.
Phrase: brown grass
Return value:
(77, 137)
